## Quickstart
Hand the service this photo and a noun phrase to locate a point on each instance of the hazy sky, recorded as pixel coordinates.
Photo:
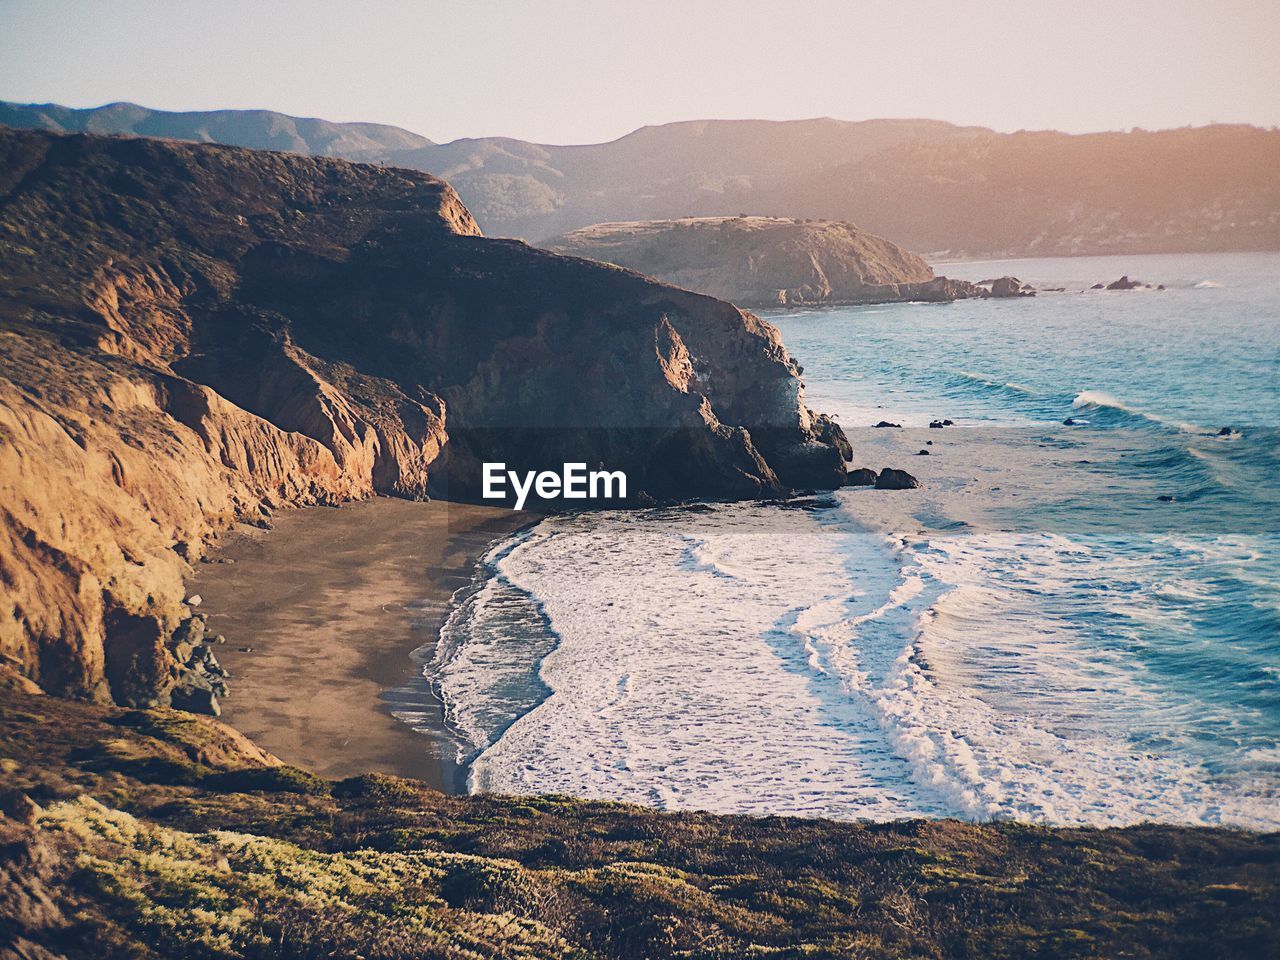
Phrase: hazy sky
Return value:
(573, 71)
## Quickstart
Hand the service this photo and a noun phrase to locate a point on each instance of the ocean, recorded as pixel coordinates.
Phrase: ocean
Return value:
(1067, 624)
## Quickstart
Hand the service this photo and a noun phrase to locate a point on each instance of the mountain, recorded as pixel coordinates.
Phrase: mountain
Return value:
(764, 261)
(257, 129)
(691, 169)
(193, 335)
(931, 186)
(1052, 194)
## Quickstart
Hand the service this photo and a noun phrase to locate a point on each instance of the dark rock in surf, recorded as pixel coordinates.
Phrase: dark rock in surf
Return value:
(861, 477)
(1005, 287)
(1124, 283)
(827, 431)
(885, 423)
(891, 479)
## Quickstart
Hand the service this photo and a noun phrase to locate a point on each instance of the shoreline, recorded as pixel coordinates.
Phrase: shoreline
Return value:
(324, 617)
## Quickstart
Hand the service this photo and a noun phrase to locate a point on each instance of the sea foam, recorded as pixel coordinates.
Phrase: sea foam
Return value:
(751, 660)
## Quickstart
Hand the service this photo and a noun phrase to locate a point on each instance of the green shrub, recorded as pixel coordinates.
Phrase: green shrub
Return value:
(379, 788)
(283, 779)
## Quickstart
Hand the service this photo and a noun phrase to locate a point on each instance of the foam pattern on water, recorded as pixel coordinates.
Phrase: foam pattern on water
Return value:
(739, 661)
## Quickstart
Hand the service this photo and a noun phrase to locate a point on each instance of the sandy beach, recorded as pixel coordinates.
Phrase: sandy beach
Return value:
(322, 615)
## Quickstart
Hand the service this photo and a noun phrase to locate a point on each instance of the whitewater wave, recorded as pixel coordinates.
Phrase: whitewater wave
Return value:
(485, 666)
(751, 660)
(1102, 401)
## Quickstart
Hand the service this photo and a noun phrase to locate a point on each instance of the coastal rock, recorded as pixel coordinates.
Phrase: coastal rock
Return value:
(861, 477)
(1124, 283)
(12, 680)
(883, 424)
(891, 479)
(937, 290)
(766, 261)
(196, 695)
(198, 335)
(826, 430)
(1003, 287)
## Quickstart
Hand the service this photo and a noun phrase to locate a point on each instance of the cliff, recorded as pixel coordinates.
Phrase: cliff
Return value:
(765, 261)
(931, 186)
(192, 335)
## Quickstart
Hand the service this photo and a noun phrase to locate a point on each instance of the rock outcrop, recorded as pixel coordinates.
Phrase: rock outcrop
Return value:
(192, 335)
(891, 479)
(1124, 283)
(1004, 287)
(766, 261)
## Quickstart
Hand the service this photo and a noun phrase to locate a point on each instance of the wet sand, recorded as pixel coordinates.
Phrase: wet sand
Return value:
(333, 602)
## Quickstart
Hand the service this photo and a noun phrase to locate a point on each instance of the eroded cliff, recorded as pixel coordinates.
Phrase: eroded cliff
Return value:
(194, 334)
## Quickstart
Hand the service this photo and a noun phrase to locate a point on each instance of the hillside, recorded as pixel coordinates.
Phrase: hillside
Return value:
(930, 186)
(155, 835)
(1050, 194)
(192, 335)
(257, 129)
(763, 261)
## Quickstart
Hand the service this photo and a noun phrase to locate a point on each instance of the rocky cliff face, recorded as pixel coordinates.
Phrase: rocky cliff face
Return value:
(766, 261)
(191, 335)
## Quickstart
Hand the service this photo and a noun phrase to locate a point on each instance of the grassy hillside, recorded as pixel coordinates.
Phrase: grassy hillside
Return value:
(160, 834)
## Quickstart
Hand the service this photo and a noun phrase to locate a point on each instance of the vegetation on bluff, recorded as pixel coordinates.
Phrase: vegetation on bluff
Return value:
(161, 834)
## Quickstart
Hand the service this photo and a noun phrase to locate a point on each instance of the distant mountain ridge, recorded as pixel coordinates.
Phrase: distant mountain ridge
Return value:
(256, 129)
(929, 185)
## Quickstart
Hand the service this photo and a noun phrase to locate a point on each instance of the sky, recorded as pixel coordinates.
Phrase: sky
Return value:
(584, 71)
